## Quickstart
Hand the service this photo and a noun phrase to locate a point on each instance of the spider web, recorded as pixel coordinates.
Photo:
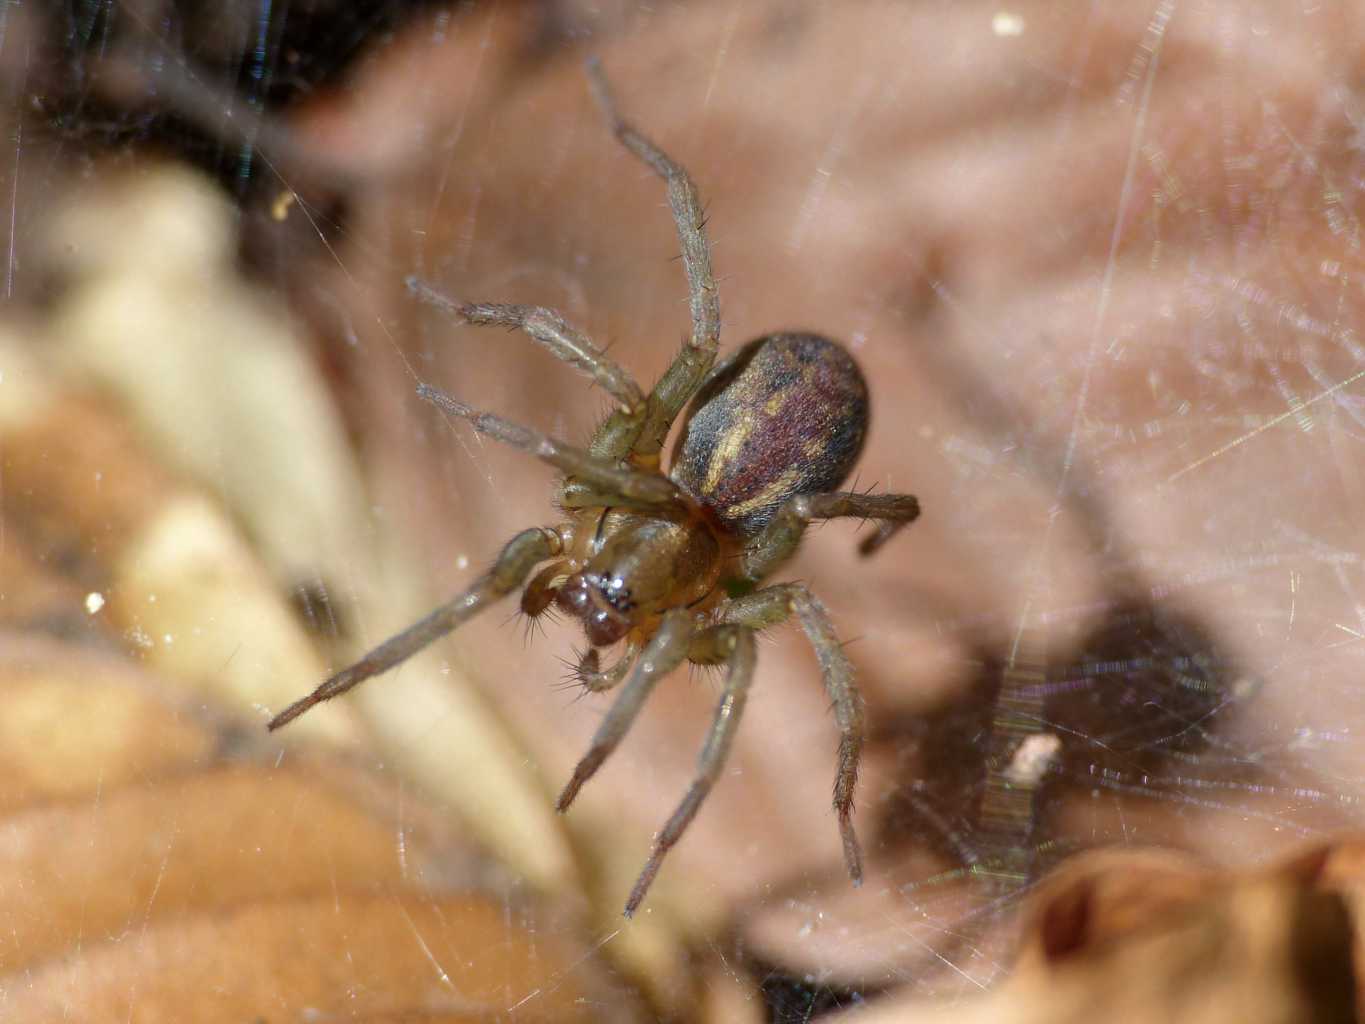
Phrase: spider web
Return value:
(1098, 264)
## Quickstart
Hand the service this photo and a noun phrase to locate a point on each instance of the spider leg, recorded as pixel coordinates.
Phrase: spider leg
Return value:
(565, 342)
(540, 592)
(589, 673)
(649, 490)
(681, 380)
(733, 645)
(577, 494)
(522, 553)
(781, 536)
(664, 652)
(776, 604)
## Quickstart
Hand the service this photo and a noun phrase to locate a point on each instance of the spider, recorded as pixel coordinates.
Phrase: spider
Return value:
(672, 565)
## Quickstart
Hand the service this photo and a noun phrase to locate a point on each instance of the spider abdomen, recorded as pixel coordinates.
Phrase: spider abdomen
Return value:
(785, 415)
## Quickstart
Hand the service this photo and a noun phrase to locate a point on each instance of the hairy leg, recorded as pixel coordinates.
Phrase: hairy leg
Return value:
(618, 434)
(780, 537)
(590, 674)
(734, 646)
(624, 486)
(539, 594)
(776, 604)
(522, 553)
(664, 652)
(681, 380)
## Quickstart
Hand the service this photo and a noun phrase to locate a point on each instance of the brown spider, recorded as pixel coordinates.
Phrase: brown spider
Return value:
(672, 564)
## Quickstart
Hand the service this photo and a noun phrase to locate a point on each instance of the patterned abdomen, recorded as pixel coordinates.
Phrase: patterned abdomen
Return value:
(785, 415)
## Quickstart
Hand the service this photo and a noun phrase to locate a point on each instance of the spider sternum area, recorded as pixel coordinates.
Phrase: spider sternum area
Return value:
(623, 570)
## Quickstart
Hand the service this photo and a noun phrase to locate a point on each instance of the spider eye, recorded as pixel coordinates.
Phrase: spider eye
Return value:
(617, 594)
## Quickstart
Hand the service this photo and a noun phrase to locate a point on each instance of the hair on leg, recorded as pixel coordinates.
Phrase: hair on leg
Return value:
(522, 554)
(649, 490)
(664, 652)
(776, 604)
(734, 645)
(615, 437)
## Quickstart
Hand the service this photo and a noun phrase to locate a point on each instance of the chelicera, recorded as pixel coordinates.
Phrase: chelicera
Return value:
(671, 567)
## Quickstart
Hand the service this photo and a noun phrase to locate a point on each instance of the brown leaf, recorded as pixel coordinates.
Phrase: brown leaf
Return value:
(331, 957)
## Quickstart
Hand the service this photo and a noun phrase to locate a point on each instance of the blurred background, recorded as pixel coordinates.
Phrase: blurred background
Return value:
(1099, 265)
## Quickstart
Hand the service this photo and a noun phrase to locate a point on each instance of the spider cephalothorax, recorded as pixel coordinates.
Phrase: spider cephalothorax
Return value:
(672, 566)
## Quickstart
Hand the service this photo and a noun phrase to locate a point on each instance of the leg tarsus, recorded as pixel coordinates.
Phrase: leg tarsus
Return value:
(734, 645)
(845, 782)
(589, 674)
(522, 553)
